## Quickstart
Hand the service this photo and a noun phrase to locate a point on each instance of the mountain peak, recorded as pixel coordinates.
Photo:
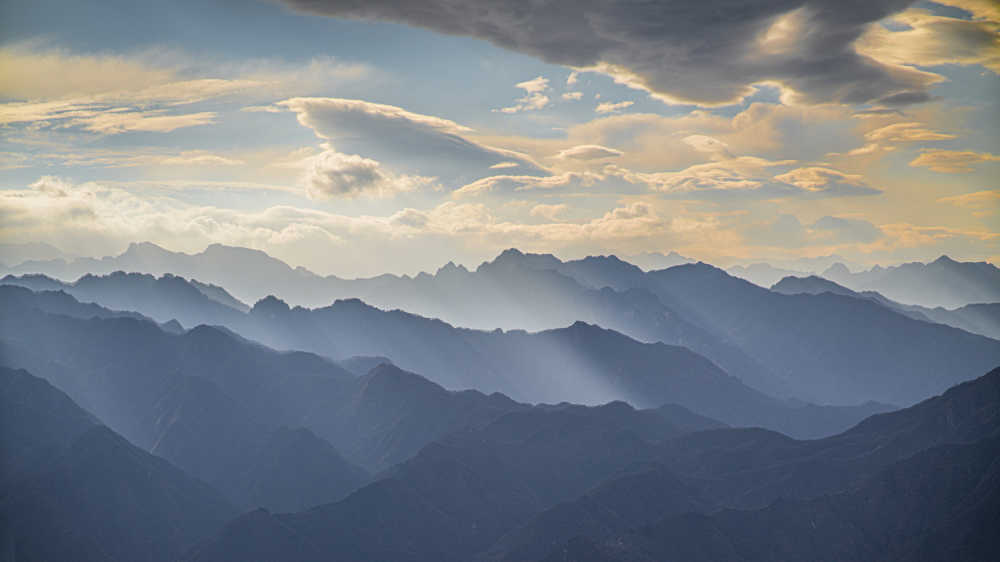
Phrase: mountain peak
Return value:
(450, 267)
(944, 260)
(145, 249)
(270, 305)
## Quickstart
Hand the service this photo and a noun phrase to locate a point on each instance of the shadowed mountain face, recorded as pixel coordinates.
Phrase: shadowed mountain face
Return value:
(529, 482)
(785, 345)
(581, 363)
(942, 504)
(205, 400)
(216, 404)
(74, 490)
(944, 282)
(983, 319)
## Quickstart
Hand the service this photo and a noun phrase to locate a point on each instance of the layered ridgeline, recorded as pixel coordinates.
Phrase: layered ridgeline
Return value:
(486, 478)
(219, 405)
(581, 363)
(944, 282)
(73, 489)
(824, 348)
(610, 483)
(981, 319)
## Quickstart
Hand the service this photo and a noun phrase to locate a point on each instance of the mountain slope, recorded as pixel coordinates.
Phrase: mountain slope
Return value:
(831, 347)
(513, 488)
(460, 494)
(75, 490)
(983, 319)
(204, 399)
(897, 515)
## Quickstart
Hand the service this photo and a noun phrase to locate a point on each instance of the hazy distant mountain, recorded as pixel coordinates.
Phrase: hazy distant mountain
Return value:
(829, 347)
(249, 274)
(534, 478)
(162, 299)
(13, 254)
(582, 363)
(787, 345)
(762, 274)
(981, 319)
(650, 261)
(74, 490)
(943, 282)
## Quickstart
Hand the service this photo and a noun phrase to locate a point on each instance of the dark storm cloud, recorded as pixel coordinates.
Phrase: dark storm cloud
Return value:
(706, 51)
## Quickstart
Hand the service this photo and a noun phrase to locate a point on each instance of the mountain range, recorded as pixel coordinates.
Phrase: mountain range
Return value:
(981, 319)
(199, 408)
(582, 363)
(731, 322)
(943, 282)
(525, 467)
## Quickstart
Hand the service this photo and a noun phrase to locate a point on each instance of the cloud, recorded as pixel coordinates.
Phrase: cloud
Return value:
(199, 158)
(717, 149)
(408, 143)
(331, 174)
(572, 78)
(534, 98)
(113, 122)
(952, 161)
(981, 202)
(589, 152)
(922, 38)
(526, 183)
(504, 165)
(112, 94)
(844, 229)
(748, 177)
(549, 212)
(609, 107)
(906, 132)
(819, 179)
(709, 52)
(572, 96)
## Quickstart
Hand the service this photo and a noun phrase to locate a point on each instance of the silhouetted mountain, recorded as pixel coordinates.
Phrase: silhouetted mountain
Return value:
(459, 495)
(533, 478)
(943, 282)
(749, 469)
(942, 504)
(581, 363)
(981, 319)
(74, 490)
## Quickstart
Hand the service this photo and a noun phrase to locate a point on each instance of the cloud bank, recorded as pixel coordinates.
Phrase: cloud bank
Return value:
(708, 52)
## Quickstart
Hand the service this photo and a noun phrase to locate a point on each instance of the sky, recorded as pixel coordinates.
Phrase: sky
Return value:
(394, 136)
